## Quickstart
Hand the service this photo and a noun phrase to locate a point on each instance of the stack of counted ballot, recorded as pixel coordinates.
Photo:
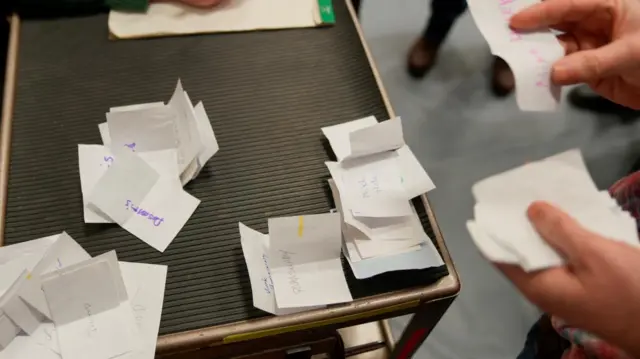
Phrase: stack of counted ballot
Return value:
(149, 152)
(502, 231)
(58, 302)
(373, 182)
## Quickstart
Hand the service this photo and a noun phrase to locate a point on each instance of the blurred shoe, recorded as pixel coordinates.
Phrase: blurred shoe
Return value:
(421, 59)
(585, 98)
(502, 80)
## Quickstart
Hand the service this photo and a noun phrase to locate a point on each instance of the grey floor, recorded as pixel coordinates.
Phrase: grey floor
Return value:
(462, 134)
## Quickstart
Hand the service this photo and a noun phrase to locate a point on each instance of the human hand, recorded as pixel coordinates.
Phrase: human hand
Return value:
(598, 290)
(602, 41)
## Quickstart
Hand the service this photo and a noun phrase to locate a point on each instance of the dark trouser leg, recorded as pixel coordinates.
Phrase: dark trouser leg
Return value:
(444, 14)
(356, 5)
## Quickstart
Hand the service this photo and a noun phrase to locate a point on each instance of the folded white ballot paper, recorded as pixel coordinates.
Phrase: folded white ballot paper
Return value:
(168, 19)
(304, 257)
(502, 231)
(90, 309)
(530, 55)
(94, 160)
(255, 247)
(384, 142)
(149, 205)
(191, 135)
(422, 256)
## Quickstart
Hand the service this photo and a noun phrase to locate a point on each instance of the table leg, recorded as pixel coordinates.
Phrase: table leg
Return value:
(419, 328)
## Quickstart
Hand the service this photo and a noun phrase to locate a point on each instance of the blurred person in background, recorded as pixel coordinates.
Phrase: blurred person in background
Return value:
(424, 52)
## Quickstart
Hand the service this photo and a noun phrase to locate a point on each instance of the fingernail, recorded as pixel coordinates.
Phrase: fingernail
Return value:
(560, 75)
(537, 210)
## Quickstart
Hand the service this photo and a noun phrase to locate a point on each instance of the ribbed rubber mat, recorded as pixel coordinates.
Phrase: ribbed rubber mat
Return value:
(267, 94)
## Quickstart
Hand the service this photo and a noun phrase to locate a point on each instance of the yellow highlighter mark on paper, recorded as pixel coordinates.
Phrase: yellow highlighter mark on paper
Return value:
(300, 226)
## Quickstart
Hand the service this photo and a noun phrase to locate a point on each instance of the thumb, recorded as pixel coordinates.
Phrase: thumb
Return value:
(592, 65)
(560, 231)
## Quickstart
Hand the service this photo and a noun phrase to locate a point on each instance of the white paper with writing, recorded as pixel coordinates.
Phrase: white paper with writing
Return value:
(390, 228)
(104, 127)
(153, 207)
(142, 130)
(145, 285)
(89, 306)
(255, 247)
(304, 253)
(530, 55)
(373, 186)
(425, 256)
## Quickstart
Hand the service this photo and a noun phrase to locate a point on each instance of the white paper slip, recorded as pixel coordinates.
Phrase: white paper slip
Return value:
(104, 127)
(382, 137)
(364, 137)
(489, 247)
(424, 257)
(104, 133)
(175, 19)
(154, 208)
(93, 160)
(255, 247)
(146, 129)
(24, 346)
(33, 249)
(89, 306)
(15, 308)
(186, 129)
(413, 176)
(304, 254)
(530, 55)
(62, 253)
(373, 186)
(207, 137)
(145, 285)
(8, 331)
(338, 135)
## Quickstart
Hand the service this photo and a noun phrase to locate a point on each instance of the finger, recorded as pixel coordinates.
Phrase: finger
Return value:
(594, 64)
(553, 12)
(560, 231)
(569, 42)
(554, 290)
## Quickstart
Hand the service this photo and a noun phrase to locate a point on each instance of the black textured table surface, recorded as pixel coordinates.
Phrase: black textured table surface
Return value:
(267, 94)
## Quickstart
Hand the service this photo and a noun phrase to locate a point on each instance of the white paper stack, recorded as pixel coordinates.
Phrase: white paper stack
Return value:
(149, 152)
(374, 180)
(297, 265)
(502, 231)
(64, 304)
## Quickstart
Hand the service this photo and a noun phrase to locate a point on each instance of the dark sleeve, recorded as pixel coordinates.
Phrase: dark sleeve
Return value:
(49, 8)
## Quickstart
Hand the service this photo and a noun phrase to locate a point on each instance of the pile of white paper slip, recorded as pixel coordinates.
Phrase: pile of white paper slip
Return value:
(502, 231)
(374, 180)
(297, 265)
(58, 302)
(149, 152)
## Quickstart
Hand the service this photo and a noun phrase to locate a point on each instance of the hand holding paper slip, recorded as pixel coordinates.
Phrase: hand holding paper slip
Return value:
(530, 55)
(502, 231)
